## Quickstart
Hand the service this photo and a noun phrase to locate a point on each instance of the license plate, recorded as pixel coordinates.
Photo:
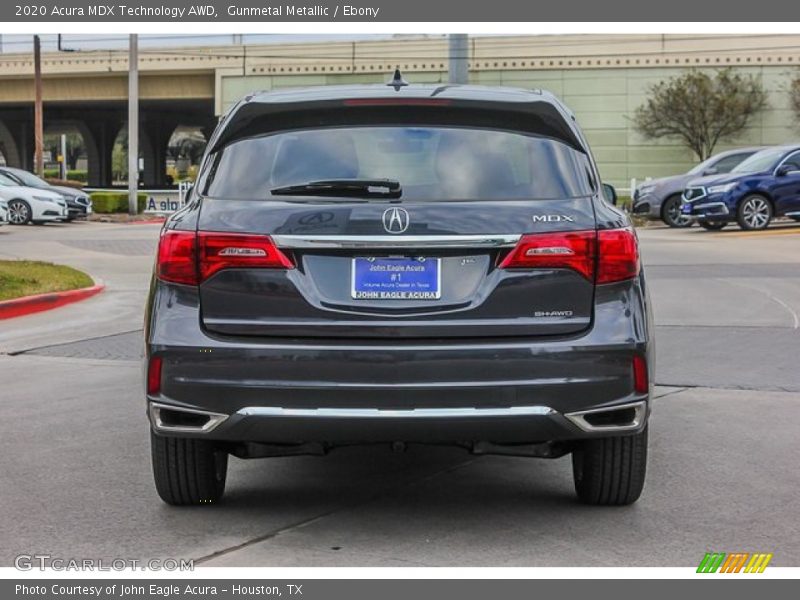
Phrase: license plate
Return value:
(396, 279)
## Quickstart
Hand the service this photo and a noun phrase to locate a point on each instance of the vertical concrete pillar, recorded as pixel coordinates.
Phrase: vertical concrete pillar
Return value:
(19, 142)
(154, 139)
(99, 137)
(9, 146)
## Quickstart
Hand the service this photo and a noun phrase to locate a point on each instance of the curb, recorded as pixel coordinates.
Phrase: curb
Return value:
(156, 221)
(27, 305)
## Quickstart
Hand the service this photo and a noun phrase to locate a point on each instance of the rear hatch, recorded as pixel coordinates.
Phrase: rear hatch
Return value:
(397, 231)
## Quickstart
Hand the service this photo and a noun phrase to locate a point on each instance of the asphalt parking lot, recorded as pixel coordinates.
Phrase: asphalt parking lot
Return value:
(724, 437)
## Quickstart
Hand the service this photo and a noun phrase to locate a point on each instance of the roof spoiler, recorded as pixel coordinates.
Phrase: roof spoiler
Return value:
(537, 117)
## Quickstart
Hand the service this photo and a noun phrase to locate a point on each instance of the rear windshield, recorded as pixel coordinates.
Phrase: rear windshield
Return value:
(430, 163)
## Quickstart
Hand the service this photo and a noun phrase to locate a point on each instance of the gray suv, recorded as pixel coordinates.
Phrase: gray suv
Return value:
(398, 264)
(661, 198)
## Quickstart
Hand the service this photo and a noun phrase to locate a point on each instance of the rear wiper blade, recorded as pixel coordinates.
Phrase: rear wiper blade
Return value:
(348, 188)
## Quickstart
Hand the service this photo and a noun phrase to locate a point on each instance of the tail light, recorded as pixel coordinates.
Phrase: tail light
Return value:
(604, 256)
(177, 257)
(154, 376)
(570, 250)
(641, 381)
(397, 102)
(190, 258)
(618, 255)
(219, 251)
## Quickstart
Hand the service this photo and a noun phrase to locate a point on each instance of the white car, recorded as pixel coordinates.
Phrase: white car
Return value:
(31, 205)
(3, 212)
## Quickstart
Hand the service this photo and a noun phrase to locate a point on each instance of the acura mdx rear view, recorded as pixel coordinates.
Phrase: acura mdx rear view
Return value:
(398, 264)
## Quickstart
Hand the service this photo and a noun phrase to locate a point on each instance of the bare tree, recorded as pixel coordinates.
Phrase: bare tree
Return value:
(794, 97)
(700, 109)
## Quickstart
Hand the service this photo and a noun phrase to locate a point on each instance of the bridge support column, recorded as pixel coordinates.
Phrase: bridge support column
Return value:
(155, 135)
(16, 136)
(99, 137)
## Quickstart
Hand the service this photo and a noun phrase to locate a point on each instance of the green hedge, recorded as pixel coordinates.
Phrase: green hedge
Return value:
(73, 175)
(115, 202)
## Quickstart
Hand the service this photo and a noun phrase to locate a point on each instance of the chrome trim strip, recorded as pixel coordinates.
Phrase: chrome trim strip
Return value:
(794, 213)
(378, 413)
(396, 241)
(714, 204)
(155, 409)
(578, 418)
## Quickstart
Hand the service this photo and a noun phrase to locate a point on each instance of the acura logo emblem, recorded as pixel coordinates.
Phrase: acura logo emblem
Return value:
(395, 220)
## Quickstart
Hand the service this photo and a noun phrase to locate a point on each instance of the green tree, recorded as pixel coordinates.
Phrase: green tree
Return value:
(700, 109)
(75, 147)
(119, 156)
(119, 162)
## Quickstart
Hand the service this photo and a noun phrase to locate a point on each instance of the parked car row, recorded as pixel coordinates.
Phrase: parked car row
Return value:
(749, 186)
(30, 199)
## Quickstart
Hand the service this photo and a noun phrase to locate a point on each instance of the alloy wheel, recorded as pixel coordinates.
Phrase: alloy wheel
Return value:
(18, 213)
(756, 212)
(675, 218)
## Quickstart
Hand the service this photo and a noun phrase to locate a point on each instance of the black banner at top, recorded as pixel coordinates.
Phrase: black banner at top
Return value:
(73, 11)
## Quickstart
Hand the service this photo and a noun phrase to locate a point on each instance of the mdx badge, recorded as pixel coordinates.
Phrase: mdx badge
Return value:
(553, 219)
(395, 220)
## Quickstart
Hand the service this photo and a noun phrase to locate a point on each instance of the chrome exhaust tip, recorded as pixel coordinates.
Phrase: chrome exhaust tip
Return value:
(166, 418)
(624, 417)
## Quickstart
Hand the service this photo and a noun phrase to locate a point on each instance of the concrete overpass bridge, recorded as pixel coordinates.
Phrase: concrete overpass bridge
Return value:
(601, 77)
(88, 95)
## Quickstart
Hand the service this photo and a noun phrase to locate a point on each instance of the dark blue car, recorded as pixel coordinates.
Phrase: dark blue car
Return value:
(764, 186)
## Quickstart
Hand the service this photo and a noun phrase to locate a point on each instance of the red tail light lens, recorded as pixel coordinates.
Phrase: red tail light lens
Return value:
(177, 257)
(568, 250)
(618, 255)
(154, 376)
(615, 252)
(641, 382)
(189, 258)
(397, 102)
(232, 250)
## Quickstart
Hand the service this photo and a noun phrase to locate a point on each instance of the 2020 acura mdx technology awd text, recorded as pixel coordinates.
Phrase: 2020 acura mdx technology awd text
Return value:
(400, 263)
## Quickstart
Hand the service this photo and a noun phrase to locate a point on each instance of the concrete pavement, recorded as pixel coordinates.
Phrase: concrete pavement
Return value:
(119, 255)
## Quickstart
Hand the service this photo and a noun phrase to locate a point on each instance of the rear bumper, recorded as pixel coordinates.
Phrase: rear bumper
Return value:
(512, 390)
(517, 424)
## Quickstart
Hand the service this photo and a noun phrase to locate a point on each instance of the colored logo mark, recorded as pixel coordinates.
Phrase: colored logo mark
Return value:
(735, 562)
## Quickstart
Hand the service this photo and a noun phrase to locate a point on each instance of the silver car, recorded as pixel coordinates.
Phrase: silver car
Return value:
(661, 198)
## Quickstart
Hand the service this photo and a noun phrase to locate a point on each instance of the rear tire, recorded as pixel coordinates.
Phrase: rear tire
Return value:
(712, 225)
(188, 471)
(671, 213)
(610, 471)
